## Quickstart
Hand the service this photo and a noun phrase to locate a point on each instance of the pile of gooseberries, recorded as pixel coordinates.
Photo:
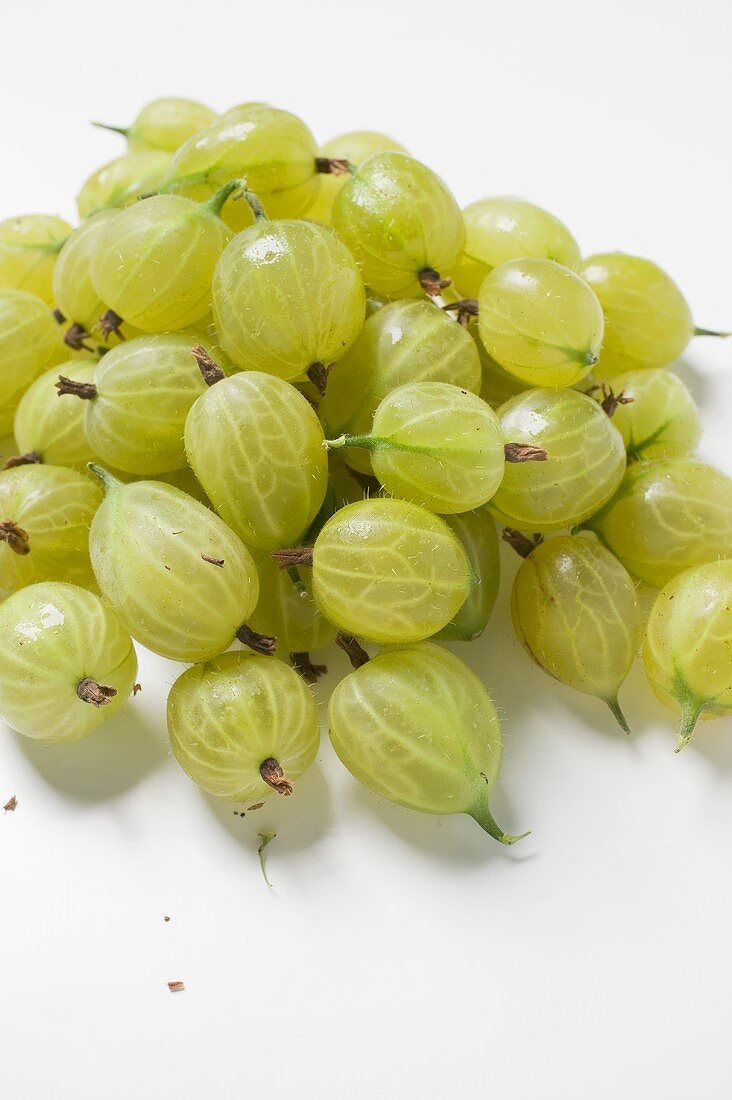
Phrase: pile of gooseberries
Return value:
(270, 397)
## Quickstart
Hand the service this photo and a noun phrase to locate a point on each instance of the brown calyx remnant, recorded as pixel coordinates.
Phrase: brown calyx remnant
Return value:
(310, 673)
(16, 538)
(136, 689)
(318, 375)
(30, 458)
(293, 555)
(210, 370)
(75, 336)
(176, 987)
(58, 317)
(10, 805)
(273, 775)
(87, 391)
(522, 544)
(431, 281)
(355, 652)
(260, 643)
(465, 309)
(213, 561)
(610, 400)
(524, 452)
(332, 166)
(99, 695)
(109, 323)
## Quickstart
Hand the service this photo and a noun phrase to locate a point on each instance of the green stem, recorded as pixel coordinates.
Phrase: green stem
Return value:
(710, 332)
(690, 712)
(109, 481)
(123, 130)
(614, 706)
(215, 204)
(265, 838)
(485, 819)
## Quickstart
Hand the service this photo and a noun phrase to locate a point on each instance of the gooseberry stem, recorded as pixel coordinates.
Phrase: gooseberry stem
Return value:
(30, 458)
(711, 332)
(486, 820)
(293, 555)
(521, 543)
(334, 166)
(75, 337)
(265, 839)
(273, 775)
(353, 649)
(318, 375)
(524, 452)
(123, 130)
(614, 706)
(99, 695)
(260, 643)
(215, 204)
(310, 673)
(109, 481)
(87, 391)
(16, 538)
(690, 712)
(210, 370)
(432, 282)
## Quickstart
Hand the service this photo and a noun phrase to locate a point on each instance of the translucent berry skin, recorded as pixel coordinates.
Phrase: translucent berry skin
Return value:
(286, 610)
(540, 321)
(356, 147)
(73, 289)
(145, 390)
(30, 342)
(29, 247)
(272, 149)
(668, 515)
(122, 181)
(287, 295)
(148, 542)
(497, 385)
(53, 636)
(54, 507)
(51, 428)
(438, 446)
(479, 538)
(256, 446)
(415, 725)
(574, 608)
(647, 320)
(661, 420)
(398, 219)
(406, 341)
(165, 233)
(389, 571)
(687, 649)
(167, 122)
(501, 229)
(585, 465)
(228, 716)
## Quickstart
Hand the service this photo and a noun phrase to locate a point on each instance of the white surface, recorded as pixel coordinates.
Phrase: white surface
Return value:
(398, 956)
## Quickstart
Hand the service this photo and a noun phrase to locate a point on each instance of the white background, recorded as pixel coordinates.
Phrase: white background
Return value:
(398, 956)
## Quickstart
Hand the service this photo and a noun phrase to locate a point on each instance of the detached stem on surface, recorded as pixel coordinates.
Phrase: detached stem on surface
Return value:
(211, 372)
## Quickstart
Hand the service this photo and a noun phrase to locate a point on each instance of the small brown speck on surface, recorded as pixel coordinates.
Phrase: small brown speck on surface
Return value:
(10, 805)
(213, 561)
(136, 689)
(176, 987)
